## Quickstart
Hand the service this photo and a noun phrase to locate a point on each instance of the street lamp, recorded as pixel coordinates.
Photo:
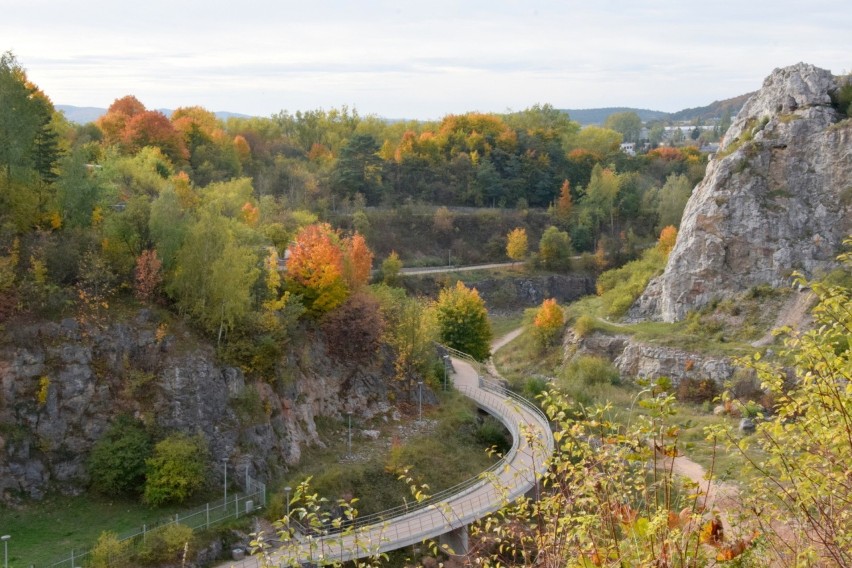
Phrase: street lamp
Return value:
(5, 538)
(225, 484)
(420, 400)
(349, 434)
(446, 364)
(287, 490)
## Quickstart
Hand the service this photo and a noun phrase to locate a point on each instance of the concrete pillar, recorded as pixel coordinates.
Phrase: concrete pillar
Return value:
(456, 540)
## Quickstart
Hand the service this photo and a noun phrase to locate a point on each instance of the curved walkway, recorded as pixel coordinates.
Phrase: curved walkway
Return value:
(513, 476)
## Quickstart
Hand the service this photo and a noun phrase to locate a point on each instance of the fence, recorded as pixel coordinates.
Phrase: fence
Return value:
(203, 517)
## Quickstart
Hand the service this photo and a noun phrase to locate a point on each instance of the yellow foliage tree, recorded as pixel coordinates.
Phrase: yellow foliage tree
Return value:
(517, 244)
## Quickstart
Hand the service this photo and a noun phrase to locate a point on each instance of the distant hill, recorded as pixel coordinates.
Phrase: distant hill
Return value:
(714, 110)
(84, 115)
(81, 115)
(589, 116)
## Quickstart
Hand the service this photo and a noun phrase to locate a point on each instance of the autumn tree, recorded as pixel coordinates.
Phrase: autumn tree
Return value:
(548, 323)
(667, 239)
(463, 321)
(391, 268)
(315, 268)
(516, 244)
(357, 262)
(148, 275)
(561, 209)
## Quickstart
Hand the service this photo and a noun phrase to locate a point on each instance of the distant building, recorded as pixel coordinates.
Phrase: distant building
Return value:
(629, 148)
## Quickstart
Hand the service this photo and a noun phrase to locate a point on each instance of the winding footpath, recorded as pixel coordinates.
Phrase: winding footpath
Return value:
(513, 476)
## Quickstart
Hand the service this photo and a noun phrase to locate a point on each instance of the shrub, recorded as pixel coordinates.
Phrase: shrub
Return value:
(109, 552)
(589, 370)
(168, 544)
(117, 462)
(177, 469)
(697, 390)
(584, 325)
(620, 287)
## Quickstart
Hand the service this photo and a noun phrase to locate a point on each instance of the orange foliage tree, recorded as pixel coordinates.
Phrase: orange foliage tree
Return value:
(149, 275)
(315, 268)
(549, 321)
(667, 239)
(564, 204)
(357, 262)
(130, 126)
(119, 112)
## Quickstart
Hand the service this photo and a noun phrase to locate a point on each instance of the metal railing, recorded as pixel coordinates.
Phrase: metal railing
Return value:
(458, 506)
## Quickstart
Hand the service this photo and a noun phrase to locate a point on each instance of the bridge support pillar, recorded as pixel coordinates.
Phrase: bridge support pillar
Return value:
(456, 540)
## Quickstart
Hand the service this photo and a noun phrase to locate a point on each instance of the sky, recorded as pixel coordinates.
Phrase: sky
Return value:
(419, 60)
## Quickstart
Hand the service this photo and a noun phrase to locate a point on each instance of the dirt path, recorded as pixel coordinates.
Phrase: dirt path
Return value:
(498, 343)
(719, 496)
(795, 311)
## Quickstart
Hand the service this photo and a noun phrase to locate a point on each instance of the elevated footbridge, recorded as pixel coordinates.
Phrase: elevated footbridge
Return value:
(446, 515)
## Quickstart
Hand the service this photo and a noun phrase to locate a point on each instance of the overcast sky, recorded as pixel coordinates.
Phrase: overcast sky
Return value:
(421, 59)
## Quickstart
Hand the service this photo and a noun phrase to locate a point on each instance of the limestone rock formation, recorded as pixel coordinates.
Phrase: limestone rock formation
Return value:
(776, 199)
(62, 385)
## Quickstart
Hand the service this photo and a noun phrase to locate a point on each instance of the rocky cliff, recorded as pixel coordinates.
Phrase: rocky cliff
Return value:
(62, 384)
(776, 199)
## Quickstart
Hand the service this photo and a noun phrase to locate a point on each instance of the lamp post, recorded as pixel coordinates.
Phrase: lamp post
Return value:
(349, 434)
(5, 538)
(287, 490)
(225, 484)
(420, 400)
(446, 363)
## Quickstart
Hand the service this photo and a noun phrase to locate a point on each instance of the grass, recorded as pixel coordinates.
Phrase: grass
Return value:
(69, 523)
(503, 323)
(447, 451)
(588, 382)
(444, 450)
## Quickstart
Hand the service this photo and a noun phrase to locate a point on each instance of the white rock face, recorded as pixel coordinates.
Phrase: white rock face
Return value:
(777, 199)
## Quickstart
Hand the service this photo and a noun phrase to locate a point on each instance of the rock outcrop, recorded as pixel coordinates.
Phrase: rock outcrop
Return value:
(635, 359)
(776, 199)
(62, 385)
